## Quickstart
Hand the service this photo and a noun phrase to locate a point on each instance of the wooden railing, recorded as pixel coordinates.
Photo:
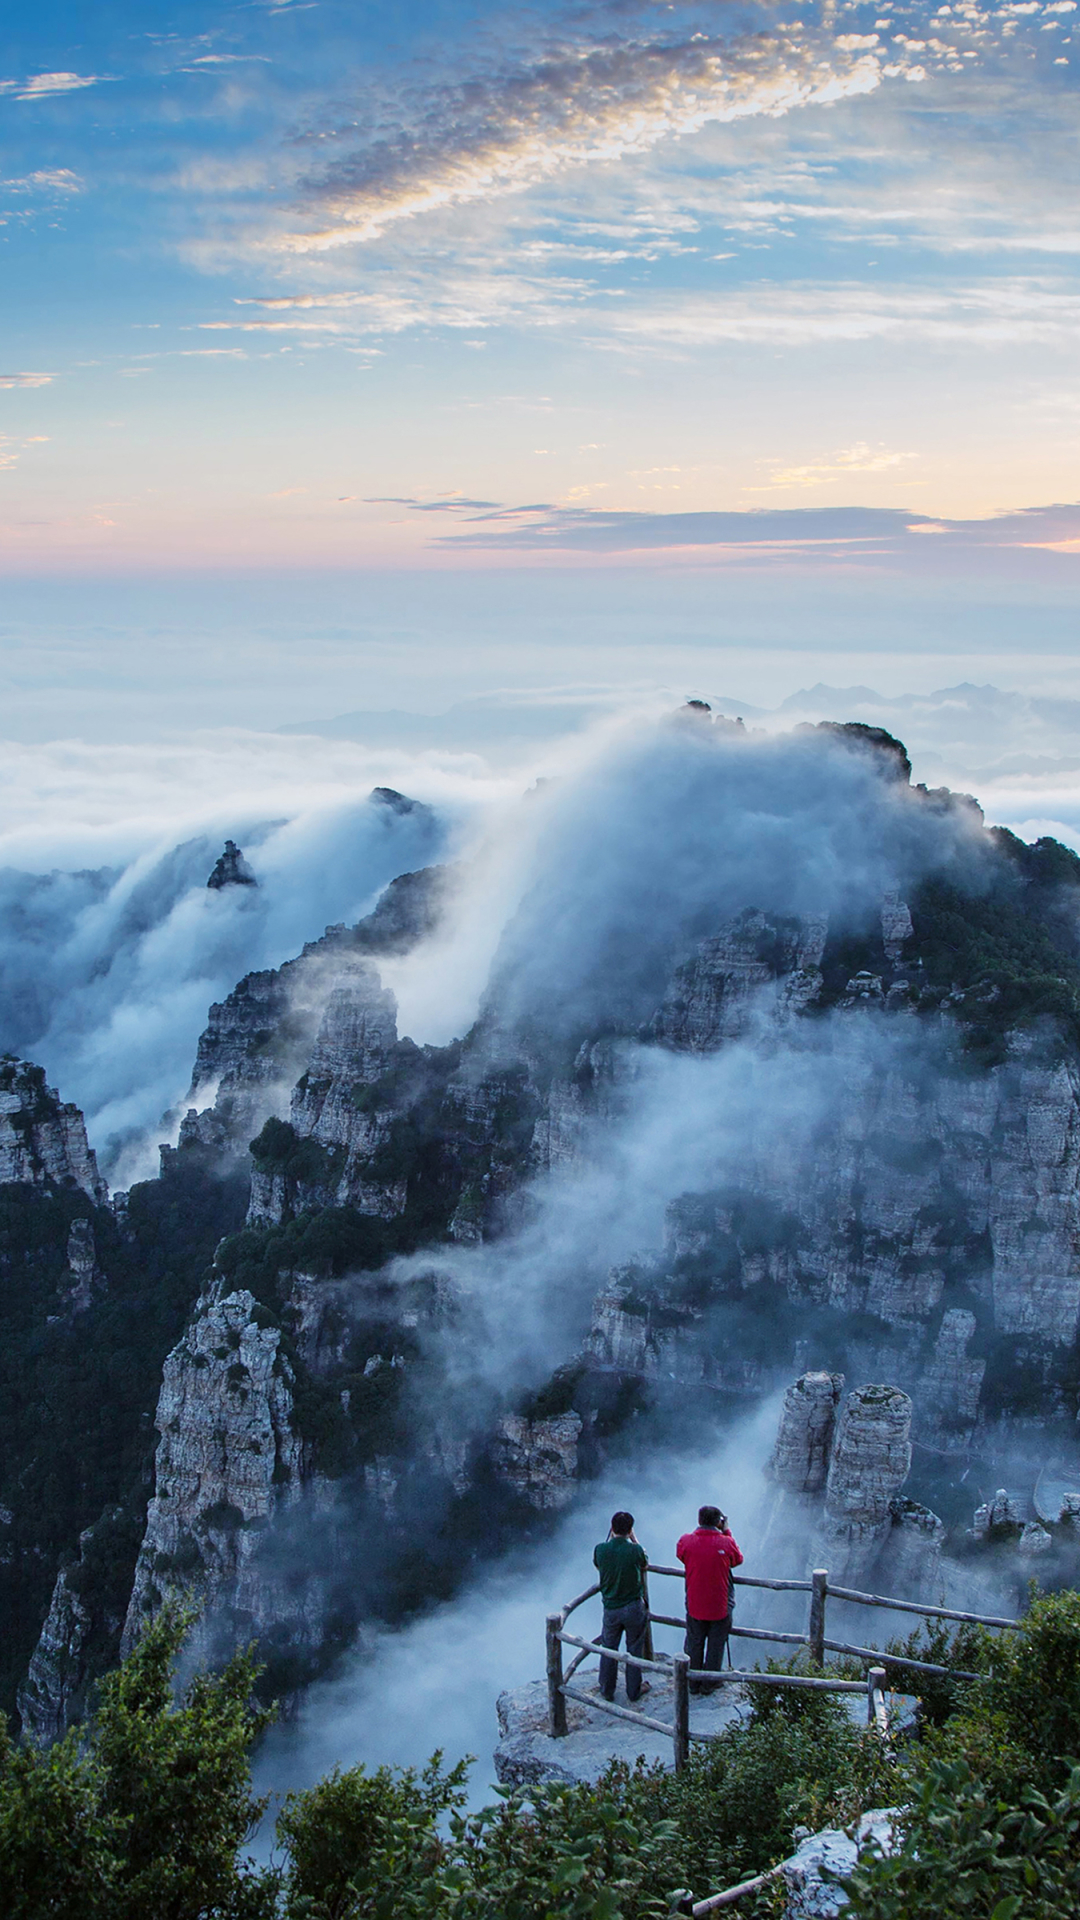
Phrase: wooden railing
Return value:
(814, 1639)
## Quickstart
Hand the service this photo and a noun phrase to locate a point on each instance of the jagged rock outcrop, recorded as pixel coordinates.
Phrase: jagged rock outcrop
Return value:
(52, 1691)
(715, 996)
(1034, 1540)
(228, 1456)
(1000, 1515)
(42, 1138)
(800, 1459)
(335, 1107)
(231, 869)
(539, 1458)
(799, 1469)
(258, 1041)
(81, 1630)
(909, 1564)
(871, 1459)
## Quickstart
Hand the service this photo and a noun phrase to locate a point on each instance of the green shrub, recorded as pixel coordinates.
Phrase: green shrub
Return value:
(966, 1852)
(146, 1820)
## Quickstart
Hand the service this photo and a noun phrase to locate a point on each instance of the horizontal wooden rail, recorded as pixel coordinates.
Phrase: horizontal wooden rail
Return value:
(619, 1713)
(750, 1676)
(743, 1580)
(609, 1653)
(737, 1633)
(916, 1606)
(766, 1633)
(896, 1659)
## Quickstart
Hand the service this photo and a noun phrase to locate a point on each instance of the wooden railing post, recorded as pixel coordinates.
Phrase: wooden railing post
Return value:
(819, 1588)
(556, 1697)
(682, 1710)
(647, 1649)
(875, 1684)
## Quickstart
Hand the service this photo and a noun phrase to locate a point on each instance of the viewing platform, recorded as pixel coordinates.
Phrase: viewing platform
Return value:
(562, 1729)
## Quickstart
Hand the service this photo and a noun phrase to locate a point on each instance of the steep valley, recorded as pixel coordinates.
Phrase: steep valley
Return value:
(776, 1073)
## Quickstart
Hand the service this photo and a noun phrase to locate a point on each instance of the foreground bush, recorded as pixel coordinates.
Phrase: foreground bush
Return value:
(143, 1819)
(146, 1816)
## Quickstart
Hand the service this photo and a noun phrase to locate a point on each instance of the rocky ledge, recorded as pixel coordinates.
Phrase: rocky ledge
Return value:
(527, 1753)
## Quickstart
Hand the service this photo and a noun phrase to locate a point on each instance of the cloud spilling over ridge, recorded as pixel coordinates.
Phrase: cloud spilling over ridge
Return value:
(106, 974)
(114, 948)
(654, 842)
(508, 130)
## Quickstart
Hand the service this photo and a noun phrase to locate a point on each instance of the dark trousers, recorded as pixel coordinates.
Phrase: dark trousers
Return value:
(705, 1643)
(633, 1621)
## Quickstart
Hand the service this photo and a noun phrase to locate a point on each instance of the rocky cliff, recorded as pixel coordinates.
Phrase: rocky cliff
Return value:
(42, 1139)
(228, 1456)
(913, 1217)
(258, 1041)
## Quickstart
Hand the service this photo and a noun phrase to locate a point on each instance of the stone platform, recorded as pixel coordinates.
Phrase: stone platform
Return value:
(527, 1753)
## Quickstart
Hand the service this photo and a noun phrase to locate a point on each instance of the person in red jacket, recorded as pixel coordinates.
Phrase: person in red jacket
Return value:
(708, 1554)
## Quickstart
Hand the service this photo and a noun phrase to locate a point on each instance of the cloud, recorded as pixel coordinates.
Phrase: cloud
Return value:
(10, 448)
(42, 84)
(860, 458)
(510, 129)
(8, 380)
(824, 531)
(45, 180)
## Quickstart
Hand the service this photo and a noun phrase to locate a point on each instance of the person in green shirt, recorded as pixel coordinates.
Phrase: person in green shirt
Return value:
(621, 1563)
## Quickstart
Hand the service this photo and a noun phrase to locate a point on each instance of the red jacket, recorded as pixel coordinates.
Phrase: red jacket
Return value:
(708, 1557)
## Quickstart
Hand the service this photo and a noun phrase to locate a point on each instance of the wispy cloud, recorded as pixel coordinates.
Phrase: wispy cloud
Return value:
(41, 84)
(827, 532)
(861, 458)
(44, 180)
(10, 448)
(8, 380)
(511, 129)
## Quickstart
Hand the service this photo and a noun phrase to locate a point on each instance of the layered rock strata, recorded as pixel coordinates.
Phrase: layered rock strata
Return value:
(228, 1457)
(539, 1458)
(42, 1138)
(871, 1459)
(258, 1041)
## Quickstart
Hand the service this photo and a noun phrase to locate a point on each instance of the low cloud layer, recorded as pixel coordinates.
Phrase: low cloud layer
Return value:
(831, 532)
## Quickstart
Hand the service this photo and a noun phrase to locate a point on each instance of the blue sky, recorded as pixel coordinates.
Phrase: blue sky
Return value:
(773, 302)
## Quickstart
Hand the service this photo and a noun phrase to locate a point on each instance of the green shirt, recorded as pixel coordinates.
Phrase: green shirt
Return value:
(620, 1564)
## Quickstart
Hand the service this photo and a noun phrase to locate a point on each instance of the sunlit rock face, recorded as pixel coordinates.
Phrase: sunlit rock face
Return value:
(227, 1457)
(42, 1138)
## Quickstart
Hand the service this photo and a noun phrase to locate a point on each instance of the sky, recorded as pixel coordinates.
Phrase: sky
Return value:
(377, 356)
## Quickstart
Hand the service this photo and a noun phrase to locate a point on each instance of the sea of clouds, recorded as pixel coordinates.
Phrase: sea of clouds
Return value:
(113, 948)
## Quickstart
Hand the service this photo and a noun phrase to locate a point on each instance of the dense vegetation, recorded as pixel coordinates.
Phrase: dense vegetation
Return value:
(147, 1818)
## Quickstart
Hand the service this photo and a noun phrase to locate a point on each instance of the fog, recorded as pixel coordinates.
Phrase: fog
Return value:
(112, 949)
(434, 1682)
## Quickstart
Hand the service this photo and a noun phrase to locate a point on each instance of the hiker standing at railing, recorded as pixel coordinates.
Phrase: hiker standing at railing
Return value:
(708, 1555)
(621, 1562)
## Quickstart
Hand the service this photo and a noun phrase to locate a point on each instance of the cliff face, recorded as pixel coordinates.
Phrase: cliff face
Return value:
(258, 1041)
(919, 1225)
(227, 1458)
(42, 1139)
